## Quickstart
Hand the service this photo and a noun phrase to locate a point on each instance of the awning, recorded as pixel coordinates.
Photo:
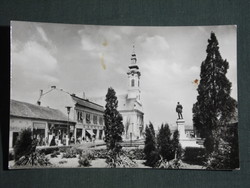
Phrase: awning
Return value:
(90, 132)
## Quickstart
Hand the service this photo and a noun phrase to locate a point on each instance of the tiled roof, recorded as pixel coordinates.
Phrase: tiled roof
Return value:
(87, 103)
(27, 110)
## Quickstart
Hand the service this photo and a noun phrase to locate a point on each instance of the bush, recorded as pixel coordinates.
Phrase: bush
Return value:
(137, 154)
(33, 159)
(119, 161)
(222, 158)
(11, 155)
(48, 150)
(85, 158)
(54, 154)
(194, 155)
(23, 145)
(100, 153)
(153, 159)
(62, 162)
(70, 153)
(83, 162)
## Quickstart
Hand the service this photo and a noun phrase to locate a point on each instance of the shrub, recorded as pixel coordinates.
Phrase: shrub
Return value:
(119, 161)
(173, 164)
(54, 154)
(70, 153)
(62, 162)
(11, 155)
(222, 158)
(100, 153)
(85, 158)
(23, 144)
(83, 162)
(154, 157)
(194, 155)
(137, 154)
(48, 150)
(33, 159)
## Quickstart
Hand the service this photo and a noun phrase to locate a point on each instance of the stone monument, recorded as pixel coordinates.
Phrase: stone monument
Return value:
(180, 122)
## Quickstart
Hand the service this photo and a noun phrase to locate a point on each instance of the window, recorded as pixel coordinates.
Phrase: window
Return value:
(138, 83)
(79, 117)
(100, 134)
(95, 119)
(87, 118)
(100, 120)
(132, 83)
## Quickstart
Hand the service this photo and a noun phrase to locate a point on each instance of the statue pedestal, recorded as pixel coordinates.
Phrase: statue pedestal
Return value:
(181, 128)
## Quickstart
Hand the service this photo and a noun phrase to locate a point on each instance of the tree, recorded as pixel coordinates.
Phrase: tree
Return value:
(164, 143)
(23, 145)
(214, 107)
(177, 150)
(113, 122)
(150, 149)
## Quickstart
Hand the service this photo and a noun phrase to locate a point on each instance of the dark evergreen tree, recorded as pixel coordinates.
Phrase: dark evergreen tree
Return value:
(113, 122)
(214, 107)
(164, 143)
(23, 144)
(150, 150)
(176, 145)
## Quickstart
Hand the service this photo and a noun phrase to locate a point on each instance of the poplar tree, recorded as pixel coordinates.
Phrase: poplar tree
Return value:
(214, 107)
(150, 149)
(176, 145)
(164, 143)
(113, 122)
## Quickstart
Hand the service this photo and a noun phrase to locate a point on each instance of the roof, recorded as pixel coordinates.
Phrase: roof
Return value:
(87, 103)
(27, 110)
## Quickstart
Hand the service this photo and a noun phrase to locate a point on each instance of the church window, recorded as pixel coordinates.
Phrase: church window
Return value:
(132, 83)
(138, 83)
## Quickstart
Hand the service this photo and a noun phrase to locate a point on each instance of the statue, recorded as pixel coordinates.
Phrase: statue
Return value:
(179, 110)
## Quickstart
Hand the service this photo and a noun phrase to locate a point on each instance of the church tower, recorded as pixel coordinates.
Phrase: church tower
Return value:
(134, 74)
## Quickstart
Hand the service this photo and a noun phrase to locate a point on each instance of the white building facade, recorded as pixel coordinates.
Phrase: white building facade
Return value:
(129, 104)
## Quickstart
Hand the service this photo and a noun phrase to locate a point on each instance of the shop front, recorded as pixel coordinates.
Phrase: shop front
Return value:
(60, 134)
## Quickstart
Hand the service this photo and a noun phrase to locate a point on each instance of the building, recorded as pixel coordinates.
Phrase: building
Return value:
(129, 104)
(87, 115)
(44, 122)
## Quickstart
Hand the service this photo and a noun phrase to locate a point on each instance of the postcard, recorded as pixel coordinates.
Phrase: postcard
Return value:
(92, 96)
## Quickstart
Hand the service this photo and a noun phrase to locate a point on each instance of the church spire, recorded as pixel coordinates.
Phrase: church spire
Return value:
(133, 56)
(134, 77)
(133, 64)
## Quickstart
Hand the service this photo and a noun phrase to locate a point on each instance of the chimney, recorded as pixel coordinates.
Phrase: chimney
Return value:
(83, 95)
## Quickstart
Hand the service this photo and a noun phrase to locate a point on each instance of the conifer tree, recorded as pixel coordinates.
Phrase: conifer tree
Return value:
(176, 145)
(150, 149)
(24, 144)
(164, 143)
(214, 107)
(113, 122)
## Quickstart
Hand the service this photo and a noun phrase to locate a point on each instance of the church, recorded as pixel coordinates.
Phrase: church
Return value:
(129, 104)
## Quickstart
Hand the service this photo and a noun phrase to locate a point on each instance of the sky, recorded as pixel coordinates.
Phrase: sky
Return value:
(90, 59)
